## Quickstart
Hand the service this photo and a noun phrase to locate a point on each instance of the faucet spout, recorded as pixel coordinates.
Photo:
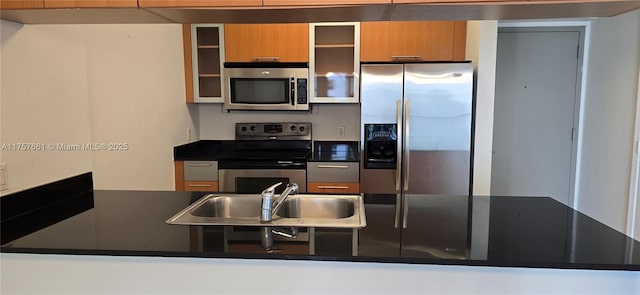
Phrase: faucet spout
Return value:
(269, 206)
(291, 189)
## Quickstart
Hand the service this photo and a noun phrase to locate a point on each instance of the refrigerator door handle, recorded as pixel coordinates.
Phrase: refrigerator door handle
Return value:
(405, 151)
(405, 210)
(397, 217)
(399, 142)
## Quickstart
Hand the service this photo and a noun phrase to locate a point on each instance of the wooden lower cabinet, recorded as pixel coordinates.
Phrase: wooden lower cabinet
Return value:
(201, 186)
(333, 187)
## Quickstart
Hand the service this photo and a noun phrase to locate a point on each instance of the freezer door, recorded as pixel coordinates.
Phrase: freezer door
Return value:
(435, 226)
(381, 103)
(438, 99)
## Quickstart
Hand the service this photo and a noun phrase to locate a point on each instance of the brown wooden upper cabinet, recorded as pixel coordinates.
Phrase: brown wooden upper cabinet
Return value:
(199, 3)
(21, 4)
(322, 2)
(89, 3)
(454, 1)
(266, 42)
(413, 41)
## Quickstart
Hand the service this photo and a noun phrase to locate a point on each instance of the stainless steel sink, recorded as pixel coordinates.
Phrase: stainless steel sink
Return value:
(302, 210)
(310, 207)
(228, 207)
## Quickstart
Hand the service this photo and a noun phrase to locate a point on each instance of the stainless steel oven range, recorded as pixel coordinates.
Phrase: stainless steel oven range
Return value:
(264, 154)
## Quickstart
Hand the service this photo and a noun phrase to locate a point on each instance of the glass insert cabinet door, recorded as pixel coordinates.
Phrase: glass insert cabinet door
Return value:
(334, 53)
(207, 57)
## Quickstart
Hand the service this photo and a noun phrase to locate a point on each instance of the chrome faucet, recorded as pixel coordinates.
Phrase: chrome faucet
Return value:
(268, 207)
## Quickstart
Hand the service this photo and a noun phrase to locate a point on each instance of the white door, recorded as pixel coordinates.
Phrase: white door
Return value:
(536, 103)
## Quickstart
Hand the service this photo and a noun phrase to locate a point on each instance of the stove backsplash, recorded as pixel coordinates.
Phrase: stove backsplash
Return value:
(326, 119)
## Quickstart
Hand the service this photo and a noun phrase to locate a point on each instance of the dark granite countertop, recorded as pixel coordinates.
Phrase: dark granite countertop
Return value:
(212, 150)
(450, 230)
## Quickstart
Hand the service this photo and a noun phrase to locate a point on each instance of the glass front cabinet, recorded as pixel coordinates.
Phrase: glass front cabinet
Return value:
(207, 52)
(334, 53)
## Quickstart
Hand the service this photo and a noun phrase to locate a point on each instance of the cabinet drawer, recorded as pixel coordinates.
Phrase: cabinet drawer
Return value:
(333, 172)
(200, 170)
(201, 186)
(333, 187)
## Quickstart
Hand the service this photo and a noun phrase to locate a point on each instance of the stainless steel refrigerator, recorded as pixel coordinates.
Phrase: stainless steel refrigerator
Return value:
(416, 139)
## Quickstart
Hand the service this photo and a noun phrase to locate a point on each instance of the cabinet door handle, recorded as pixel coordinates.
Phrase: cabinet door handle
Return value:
(333, 166)
(199, 164)
(265, 59)
(406, 57)
(198, 185)
(333, 187)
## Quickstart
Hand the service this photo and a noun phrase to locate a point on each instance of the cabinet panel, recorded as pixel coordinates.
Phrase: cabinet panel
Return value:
(89, 3)
(200, 170)
(334, 62)
(407, 40)
(333, 187)
(199, 3)
(21, 4)
(248, 42)
(333, 172)
(201, 186)
(322, 2)
(203, 56)
(454, 1)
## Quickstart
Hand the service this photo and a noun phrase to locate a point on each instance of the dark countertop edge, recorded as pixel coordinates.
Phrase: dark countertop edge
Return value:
(392, 260)
(329, 160)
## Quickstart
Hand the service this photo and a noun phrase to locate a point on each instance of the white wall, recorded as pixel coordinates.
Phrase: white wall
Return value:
(154, 275)
(216, 124)
(607, 121)
(95, 84)
(136, 89)
(482, 42)
(44, 99)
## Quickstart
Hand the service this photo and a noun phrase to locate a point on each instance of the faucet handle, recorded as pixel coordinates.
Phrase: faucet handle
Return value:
(268, 192)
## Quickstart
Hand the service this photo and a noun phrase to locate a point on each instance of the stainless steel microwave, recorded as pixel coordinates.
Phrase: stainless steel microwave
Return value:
(262, 86)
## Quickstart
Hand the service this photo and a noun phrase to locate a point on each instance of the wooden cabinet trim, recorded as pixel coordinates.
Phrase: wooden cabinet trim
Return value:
(178, 167)
(333, 187)
(89, 3)
(198, 3)
(21, 4)
(188, 63)
(460, 40)
(201, 186)
(322, 2)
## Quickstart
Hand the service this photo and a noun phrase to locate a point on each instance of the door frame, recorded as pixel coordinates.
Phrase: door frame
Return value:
(583, 28)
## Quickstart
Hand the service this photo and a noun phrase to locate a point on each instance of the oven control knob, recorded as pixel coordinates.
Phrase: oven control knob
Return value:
(293, 127)
(252, 128)
(244, 128)
(301, 128)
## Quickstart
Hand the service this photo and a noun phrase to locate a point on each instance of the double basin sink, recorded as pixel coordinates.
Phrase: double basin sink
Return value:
(301, 210)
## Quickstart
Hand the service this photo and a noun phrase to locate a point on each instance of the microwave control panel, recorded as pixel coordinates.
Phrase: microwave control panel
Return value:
(302, 91)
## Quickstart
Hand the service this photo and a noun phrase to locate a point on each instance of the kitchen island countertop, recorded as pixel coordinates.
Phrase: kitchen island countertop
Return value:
(499, 231)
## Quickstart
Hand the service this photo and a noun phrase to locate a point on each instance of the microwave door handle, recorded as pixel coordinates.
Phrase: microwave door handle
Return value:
(292, 99)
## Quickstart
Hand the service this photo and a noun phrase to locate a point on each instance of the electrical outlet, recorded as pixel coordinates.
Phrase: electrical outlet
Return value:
(188, 133)
(4, 178)
(340, 131)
